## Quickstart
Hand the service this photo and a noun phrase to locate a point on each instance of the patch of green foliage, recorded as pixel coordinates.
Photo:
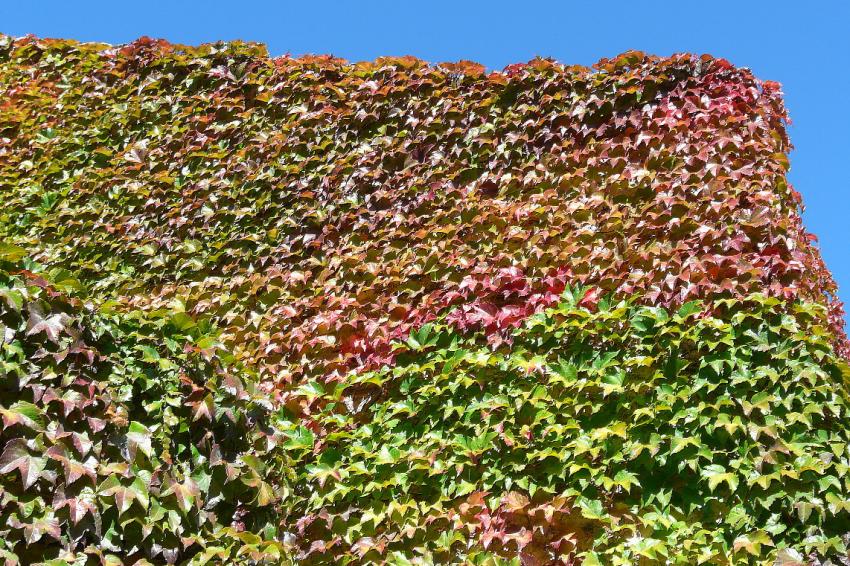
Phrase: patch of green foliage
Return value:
(615, 433)
(264, 310)
(126, 437)
(710, 434)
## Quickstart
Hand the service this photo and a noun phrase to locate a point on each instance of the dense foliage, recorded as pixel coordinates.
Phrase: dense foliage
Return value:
(262, 309)
(612, 431)
(125, 435)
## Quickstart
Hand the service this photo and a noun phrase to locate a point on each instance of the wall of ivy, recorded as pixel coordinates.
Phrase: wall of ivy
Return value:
(272, 310)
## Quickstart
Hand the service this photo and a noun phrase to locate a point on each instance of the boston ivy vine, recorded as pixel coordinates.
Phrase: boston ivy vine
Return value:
(272, 310)
(616, 433)
(125, 436)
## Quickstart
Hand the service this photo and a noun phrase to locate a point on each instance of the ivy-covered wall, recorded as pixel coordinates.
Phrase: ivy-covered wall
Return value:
(302, 310)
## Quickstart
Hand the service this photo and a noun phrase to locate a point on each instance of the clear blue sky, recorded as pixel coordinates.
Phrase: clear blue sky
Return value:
(803, 45)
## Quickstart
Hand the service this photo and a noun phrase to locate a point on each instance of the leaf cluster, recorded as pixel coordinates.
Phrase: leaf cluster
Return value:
(262, 310)
(126, 437)
(625, 434)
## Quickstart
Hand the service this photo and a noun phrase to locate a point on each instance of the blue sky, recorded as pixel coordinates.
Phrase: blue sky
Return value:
(803, 45)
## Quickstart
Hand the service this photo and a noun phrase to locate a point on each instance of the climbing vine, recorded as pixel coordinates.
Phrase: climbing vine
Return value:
(262, 309)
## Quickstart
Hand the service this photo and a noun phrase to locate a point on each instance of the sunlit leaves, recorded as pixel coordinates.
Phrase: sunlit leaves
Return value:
(612, 417)
(52, 325)
(303, 310)
(17, 456)
(301, 438)
(24, 414)
(717, 474)
(138, 438)
(103, 426)
(185, 492)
